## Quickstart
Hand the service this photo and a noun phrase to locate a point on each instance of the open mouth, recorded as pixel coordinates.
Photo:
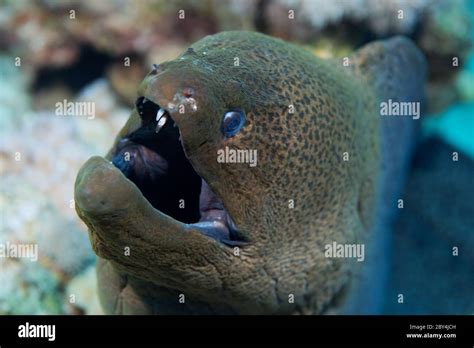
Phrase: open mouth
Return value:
(152, 157)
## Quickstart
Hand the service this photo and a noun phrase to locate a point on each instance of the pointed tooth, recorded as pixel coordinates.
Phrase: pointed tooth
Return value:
(160, 113)
(161, 123)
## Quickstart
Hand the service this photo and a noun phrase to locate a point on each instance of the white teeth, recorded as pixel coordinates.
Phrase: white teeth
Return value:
(160, 113)
(161, 119)
(161, 123)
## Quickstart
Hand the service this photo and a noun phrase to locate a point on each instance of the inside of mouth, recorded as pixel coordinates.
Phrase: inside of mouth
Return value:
(153, 158)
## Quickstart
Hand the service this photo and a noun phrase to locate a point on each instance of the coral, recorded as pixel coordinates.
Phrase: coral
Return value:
(455, 126)
(28, 288)
(36, 190)
(382, 16)
(83, 289)
(464, 83)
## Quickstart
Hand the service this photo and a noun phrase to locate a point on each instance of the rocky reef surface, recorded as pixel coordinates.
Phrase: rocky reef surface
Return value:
(40, 154)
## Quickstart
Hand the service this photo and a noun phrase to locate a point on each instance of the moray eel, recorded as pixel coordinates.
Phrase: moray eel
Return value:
(178, 231)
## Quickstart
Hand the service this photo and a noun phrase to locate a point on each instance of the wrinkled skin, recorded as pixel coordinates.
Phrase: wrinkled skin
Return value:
(300, 158)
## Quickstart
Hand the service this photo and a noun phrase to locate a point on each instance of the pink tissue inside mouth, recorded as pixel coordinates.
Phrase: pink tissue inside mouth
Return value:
(144, 162)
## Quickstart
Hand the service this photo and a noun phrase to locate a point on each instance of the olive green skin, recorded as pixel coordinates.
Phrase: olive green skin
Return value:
(304, 116)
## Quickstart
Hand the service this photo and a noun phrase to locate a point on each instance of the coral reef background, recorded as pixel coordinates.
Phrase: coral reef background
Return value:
(99, 51)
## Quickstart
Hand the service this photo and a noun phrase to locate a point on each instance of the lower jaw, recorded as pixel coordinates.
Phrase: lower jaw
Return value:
(180, 194)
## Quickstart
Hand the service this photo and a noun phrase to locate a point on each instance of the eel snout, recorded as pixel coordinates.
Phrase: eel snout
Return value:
(139, 239)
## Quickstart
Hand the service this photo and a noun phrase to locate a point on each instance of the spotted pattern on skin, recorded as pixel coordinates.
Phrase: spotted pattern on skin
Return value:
(300, 157)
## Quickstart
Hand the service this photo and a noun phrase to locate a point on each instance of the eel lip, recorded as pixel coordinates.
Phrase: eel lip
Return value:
(117, 214)
(152, 157)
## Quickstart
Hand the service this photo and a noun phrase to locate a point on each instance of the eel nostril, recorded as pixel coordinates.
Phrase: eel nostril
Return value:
(188, 92)
(154, 69)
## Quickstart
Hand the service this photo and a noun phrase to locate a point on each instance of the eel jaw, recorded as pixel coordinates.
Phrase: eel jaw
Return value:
(142, 242)
(119, 218)
(125, 228)
(152, 158)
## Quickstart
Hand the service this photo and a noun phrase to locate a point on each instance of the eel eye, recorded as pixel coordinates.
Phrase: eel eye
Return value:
(232, 122)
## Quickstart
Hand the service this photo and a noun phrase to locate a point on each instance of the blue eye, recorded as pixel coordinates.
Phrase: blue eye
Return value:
(232, 122)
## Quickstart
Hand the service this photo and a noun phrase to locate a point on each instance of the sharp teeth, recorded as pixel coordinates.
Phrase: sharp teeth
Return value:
(161, 123)
(161, 119)
(160, 113)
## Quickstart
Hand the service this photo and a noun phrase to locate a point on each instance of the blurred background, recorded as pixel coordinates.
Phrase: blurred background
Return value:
(99, 51)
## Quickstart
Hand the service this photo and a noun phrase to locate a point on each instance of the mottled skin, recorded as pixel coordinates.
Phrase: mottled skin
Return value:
(300, 158)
